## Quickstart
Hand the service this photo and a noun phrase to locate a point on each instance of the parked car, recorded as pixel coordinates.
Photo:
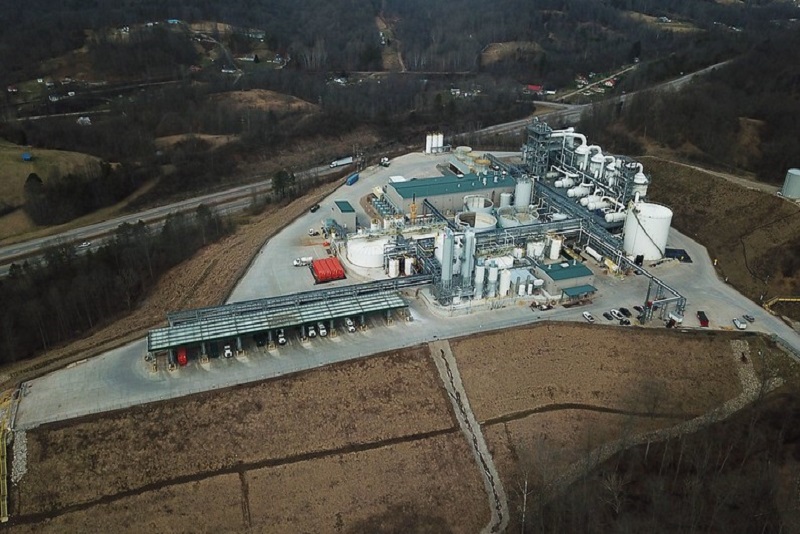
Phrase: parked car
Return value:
(281, 336)
(616, 314)
(741, 325)
(85, 244)
(625, 311)
(608, 316)
(322, 330)
(625, 322)
(702, 318)
(749, 318)
(588, 316)
(639, 309)
(312, 232)
(314, 208)
(351, 326)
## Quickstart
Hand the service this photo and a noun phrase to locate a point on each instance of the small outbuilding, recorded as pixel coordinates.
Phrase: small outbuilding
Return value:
(345, 215)
(27, 156)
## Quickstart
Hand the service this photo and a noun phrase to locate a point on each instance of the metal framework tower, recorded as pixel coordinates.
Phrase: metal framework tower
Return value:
(537, 148)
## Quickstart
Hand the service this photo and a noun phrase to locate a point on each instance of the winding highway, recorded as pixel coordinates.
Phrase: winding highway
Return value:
(240, 197)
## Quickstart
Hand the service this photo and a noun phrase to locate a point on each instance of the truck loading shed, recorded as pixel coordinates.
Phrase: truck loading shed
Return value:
(200, 327)
(447, 192)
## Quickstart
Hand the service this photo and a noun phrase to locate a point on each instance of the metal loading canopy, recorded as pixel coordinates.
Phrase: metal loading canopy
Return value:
(257, 320)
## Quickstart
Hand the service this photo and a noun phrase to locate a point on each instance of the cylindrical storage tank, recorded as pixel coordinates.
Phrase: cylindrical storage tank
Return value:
(559, 217)
(564, 182)
(491, 286)
(480, 222)
(463, 150)
(525, 217)
(640, 183)
(478, 204)
(591, 198)
(482, 165)
(428, 143)
(593, 253)
(366, 252)
(507, 217)
(596, 164)
(518, 253)
(438, 247)
(599, 205)
(521, 290)
(394, 268)
(409, 266)
(538, 248)
(440, 142)
(522, 193)
(582, 153)
(538, 283)
(646, 230)
(616, 216)
(505, 282)
(578, 192)
(505, 200)
(529, 288)
(555, 247)
(791, 185)
(480, 274)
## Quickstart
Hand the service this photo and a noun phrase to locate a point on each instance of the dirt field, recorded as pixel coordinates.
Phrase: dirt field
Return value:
(628, 370)
(495, 52)
(264, 100)
(430, 485)
(339, 409)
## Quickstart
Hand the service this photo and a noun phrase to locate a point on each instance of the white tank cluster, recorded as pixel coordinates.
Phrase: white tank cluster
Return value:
(509, 217)
(434, 143)
(646, 230)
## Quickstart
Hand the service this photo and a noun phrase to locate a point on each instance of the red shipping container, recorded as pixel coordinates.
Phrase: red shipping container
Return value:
(327, 269)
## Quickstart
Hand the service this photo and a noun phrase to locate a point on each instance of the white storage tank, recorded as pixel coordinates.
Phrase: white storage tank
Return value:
(522, 193)
(409, 266)
(375, 225)
(535, 249)
(791, 185)
(439, 142)
(394, 268)
(480, 222)
(491, 286)
(505, 200)
(478, 204)
(582, 153)
(555, 246)
(429, 143)
(505, 283)
(366, 252)
(480, 275)
(646, 230)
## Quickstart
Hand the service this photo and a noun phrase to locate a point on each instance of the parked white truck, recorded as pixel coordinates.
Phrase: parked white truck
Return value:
(341, 162)
(302, 262)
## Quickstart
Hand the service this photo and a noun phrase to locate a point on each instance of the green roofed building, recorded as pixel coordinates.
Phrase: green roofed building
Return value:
(561, 277)
(344, 215)
(447, 192)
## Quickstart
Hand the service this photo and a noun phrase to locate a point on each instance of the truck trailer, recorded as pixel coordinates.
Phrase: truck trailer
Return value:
(341, 162)
(353, 178)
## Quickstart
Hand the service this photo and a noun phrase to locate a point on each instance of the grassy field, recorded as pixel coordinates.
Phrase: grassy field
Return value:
(48, 164)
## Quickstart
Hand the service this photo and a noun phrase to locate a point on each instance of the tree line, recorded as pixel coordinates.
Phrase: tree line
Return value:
(74, 290)
(750, 96)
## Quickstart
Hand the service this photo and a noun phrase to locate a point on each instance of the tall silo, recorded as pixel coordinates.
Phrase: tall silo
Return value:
(791, 185)
(646, 230)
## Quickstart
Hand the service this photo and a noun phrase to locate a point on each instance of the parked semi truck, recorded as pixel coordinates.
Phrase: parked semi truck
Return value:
(341, 162)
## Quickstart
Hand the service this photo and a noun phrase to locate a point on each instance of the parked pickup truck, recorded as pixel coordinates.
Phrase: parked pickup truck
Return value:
(302, 262)
(702, 318)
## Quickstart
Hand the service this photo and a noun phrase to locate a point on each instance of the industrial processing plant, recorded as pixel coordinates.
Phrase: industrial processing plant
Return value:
(533, 228)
